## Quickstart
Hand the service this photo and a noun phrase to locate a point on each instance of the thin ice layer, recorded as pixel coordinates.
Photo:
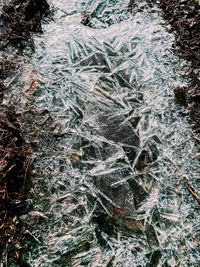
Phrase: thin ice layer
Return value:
(116, 122)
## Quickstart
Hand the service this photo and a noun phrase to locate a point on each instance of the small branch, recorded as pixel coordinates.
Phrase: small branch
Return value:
(192, 191)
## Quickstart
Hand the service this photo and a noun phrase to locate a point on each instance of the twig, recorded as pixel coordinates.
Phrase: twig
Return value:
(192, 191)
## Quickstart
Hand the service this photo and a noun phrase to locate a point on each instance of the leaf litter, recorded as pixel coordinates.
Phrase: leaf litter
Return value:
(111, 171)
(18, 20)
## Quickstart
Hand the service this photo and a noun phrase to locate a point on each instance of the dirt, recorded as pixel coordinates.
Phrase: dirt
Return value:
(18, 21)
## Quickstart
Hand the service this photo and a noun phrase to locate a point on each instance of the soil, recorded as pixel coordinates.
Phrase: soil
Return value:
(18, 21)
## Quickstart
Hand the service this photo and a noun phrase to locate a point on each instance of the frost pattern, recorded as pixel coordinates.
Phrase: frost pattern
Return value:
(113, 178)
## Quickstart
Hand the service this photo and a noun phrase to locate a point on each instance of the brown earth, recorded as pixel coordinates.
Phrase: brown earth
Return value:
(18, 21)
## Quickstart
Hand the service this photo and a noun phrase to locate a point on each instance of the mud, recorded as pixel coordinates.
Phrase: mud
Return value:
(18, 20)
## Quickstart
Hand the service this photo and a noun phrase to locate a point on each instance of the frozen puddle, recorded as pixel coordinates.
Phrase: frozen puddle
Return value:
(113, 178)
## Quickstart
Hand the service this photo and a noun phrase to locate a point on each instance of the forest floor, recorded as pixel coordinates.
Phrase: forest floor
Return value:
(19, 21)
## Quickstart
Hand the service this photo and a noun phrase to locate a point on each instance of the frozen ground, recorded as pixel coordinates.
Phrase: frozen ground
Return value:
(105, 80)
